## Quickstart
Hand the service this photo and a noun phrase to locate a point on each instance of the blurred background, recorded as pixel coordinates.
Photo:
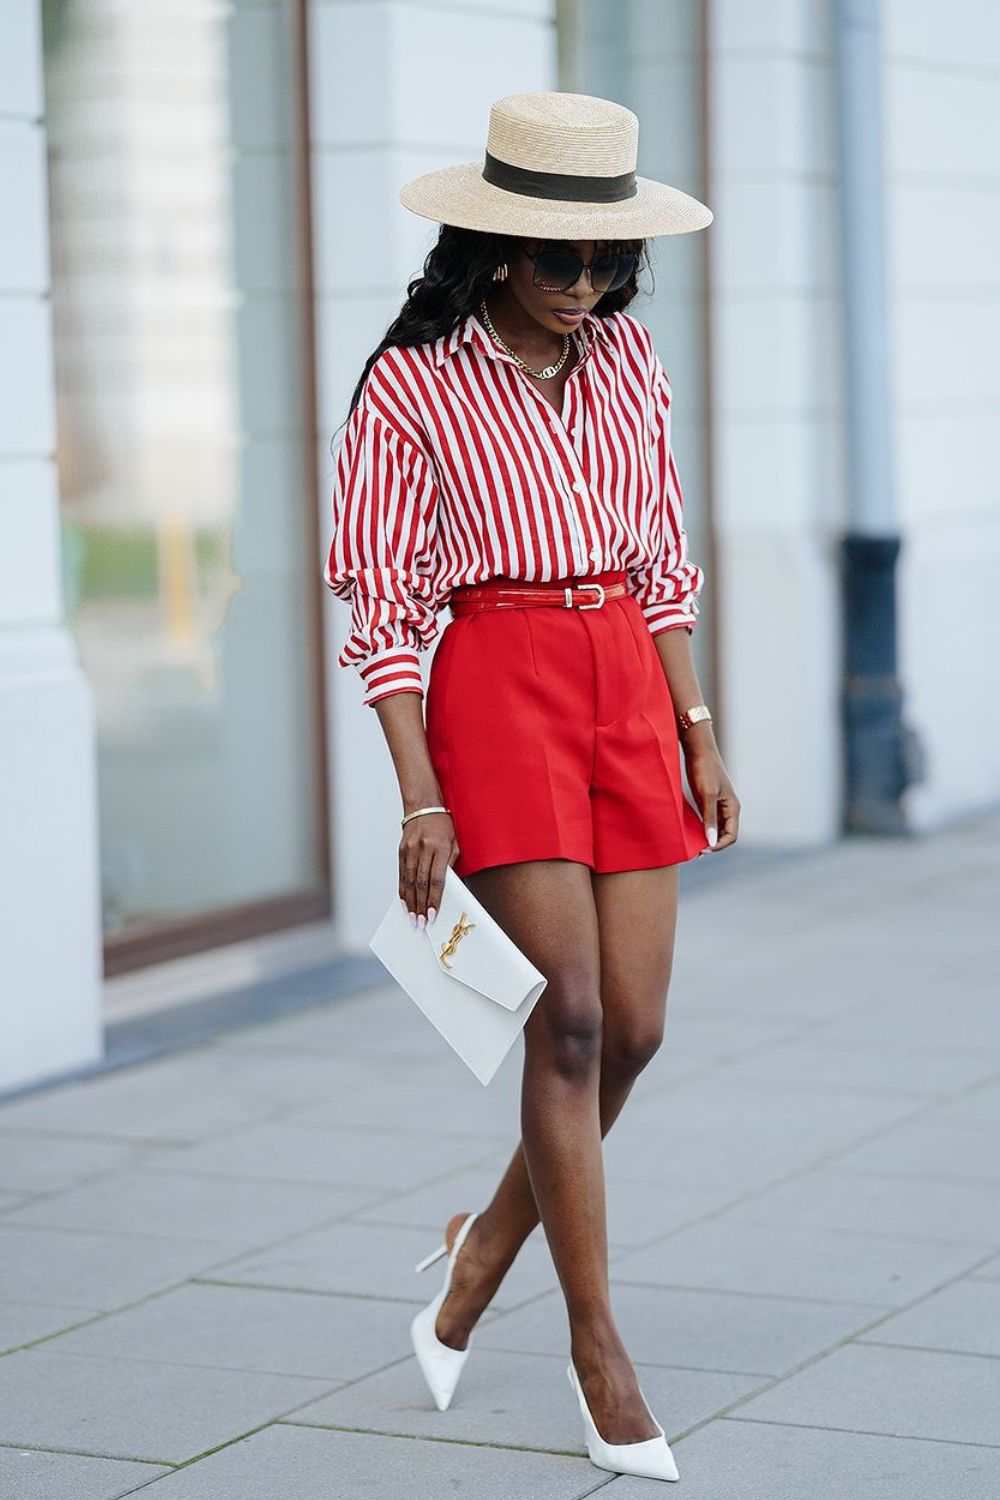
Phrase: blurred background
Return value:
(201, 245)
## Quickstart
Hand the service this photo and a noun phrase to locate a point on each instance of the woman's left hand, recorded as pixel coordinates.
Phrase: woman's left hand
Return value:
(713, 790)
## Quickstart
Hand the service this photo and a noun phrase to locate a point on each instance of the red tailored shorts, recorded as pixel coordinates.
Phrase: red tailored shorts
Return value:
(553, 735)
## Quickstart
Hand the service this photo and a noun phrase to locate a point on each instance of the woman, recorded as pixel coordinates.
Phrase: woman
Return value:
(507, 452)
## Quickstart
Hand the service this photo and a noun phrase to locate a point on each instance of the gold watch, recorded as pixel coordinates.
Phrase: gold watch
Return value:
(693, 715)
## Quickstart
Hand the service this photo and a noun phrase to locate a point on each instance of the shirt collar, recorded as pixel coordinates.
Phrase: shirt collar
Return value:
(470, 330)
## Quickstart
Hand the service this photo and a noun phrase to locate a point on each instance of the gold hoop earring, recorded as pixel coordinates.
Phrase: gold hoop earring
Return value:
(500, 274)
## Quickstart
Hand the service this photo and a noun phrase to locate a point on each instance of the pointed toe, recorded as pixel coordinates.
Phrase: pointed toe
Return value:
(649, 1459)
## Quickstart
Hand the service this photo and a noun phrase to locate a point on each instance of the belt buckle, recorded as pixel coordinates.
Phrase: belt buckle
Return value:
(597, 587)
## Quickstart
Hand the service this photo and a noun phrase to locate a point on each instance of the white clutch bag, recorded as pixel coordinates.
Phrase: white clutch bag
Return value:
(465, 973)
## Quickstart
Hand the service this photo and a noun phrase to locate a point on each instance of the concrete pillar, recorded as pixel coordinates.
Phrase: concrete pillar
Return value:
(778, 428)
(50, 933)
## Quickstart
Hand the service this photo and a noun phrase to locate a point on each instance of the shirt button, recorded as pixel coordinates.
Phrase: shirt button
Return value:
(595, 553)
(579, 486)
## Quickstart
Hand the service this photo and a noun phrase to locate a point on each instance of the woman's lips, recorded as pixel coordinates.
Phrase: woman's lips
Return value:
(568, 315)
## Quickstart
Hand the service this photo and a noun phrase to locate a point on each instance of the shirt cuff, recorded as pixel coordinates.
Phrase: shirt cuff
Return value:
(394, 670)
(661, 617)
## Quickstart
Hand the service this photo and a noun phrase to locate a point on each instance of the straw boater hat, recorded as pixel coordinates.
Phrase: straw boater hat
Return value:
(557, 166)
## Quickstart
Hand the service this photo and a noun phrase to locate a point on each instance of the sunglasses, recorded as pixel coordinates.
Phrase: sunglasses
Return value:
(558, 270)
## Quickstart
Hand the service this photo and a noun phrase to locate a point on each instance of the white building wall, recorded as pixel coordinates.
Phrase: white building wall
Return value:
(50, 931)
(779, 462)
(396, 89)
(942, 110)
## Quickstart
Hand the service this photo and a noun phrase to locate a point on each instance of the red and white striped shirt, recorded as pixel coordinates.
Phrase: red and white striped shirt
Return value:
(454, 468)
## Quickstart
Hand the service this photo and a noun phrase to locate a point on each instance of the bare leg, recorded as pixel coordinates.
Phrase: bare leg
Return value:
(637, 917)
(606, 943)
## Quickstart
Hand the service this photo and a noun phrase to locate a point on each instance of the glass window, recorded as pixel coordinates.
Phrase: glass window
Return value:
(185, 449)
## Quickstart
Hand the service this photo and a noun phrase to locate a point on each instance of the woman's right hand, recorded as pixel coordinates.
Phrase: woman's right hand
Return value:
(428, 846)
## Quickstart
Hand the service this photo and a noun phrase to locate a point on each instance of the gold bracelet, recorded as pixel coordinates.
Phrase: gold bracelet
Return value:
(693, 715)
(420, 812)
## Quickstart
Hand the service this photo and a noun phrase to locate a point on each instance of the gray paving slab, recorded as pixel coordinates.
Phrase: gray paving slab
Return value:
(962, 1318)
(977, 1106)
(403, 1103)
(24, 1322)
(93, 1270)
(729, 1460)
(800, 1190)
(716, 1033)
(753, 1335)
(808, 987)
(243, 1328)
(988, 1271)
(929, 1147)
(951, 1021)
(740, 1134)
(733, 1254)
(371, 1260)
(518, 1400)
(636, 1211)
(308, 1463)
(173, 1205)
(336, 1028)
(33, 1163)
(135, 1408)
(183, 1097)
(808, 1064)
(879, 1204)
(27, 1474)
(344, 1155)
(901, 1392)
(387, 1026)
(430, 1205)
(345, 1031)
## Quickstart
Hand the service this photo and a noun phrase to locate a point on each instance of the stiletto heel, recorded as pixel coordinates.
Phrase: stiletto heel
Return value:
(429, 1260)
(649, 1459)
(440, 1363)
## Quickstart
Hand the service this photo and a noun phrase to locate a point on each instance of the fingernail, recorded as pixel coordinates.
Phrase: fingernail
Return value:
(421, 920)
(402, 903)
(413, 919)
(713, 837)
(431, 913)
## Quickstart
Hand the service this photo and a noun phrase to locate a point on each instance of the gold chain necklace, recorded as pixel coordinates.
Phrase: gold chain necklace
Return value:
(549, 370)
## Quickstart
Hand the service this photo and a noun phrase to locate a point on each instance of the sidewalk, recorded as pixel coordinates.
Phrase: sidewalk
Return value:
(206, 1261)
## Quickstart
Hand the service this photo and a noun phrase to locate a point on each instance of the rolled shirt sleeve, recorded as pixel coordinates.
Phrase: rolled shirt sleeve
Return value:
(382, 558)
(667, 587)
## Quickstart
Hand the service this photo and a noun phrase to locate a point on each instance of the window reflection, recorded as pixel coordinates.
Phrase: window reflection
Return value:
(186, 559)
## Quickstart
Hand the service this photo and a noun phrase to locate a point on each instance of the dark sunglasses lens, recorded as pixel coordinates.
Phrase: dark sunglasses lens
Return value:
(612, 271)
(557, 269)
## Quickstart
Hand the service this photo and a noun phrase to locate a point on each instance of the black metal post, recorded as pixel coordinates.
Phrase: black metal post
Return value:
(882, 755)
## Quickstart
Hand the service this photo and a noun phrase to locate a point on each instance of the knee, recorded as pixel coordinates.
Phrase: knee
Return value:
(574, 1032)
(627, 1048)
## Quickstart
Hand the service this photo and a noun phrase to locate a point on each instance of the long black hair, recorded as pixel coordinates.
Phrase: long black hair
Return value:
(457, 274)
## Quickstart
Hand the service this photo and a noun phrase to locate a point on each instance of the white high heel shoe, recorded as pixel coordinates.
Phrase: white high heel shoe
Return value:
(650, 1459)
(441, 1364)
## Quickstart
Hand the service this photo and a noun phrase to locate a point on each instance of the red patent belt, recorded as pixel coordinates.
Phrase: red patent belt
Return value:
(564, 594)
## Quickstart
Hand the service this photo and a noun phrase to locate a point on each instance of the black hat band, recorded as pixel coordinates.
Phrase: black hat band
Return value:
(533, 184)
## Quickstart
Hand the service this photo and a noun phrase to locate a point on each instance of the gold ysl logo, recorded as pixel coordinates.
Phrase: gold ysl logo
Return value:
(460, 930)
